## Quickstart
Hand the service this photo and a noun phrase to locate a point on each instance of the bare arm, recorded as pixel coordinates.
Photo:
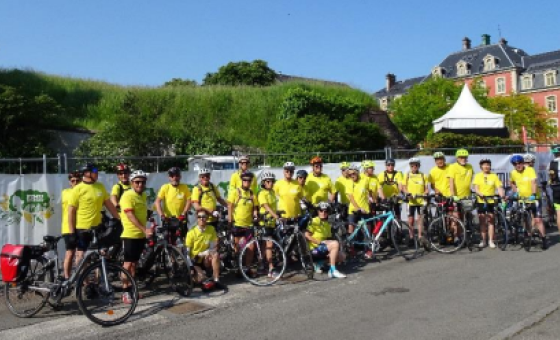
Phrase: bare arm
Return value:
(187, 207)
(114, 200)
(112, 209)
(72, 219)
(452, 186)
(158, 207)
(132, 218)
(310, 238)
(269, 210)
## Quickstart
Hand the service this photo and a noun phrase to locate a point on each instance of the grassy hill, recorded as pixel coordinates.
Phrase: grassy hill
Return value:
(242, 115)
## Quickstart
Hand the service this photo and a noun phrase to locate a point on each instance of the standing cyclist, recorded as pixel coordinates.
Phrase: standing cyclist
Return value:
(176, 197)
(70, 239)
(319, 185)
(123, 173)
(415, 183)
(205, 197)
(235, 179)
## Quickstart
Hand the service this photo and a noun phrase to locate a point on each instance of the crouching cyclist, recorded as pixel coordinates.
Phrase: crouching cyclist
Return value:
(318, 235)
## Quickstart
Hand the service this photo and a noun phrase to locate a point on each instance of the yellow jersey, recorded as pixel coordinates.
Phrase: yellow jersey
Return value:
(439, 180)
(65, 197)
(117, 191)
(198, 240)
(523, 181)
(319, 187)
(235, 182)
(174, 198)
(320, 230)
(244, 202)
(342, 185)
(487, 185)
(289, 194)
(390, 182)
(373, 185)
(268, 197)
(207, 197)
(136, 203)
(360, 192)
(462, 178)
(88, 199)
(415, 184)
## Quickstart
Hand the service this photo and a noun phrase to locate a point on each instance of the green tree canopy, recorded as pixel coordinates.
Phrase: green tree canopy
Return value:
(175, 82)
(255, 73)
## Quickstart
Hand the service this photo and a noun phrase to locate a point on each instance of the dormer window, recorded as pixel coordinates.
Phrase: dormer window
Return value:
(527, 82)
(463, 68)
(438, 71)
(489, 63)
(550, 78)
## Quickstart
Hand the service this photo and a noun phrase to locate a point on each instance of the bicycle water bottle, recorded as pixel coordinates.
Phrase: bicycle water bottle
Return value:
(378, 226)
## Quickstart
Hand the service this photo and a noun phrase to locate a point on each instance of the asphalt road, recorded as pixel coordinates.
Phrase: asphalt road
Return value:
(489, 294)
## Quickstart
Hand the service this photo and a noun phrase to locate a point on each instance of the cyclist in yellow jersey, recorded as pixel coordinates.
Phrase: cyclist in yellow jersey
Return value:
(123, 173)
(289, 193)
(438, 176)
(524, 184)
(268, 211)
(460, 176)
(175, 196)
(415, 183)
(319, 185)
(70, 239)
(375, 189)
(390, 181)
(301, 176)
(134, 217)
(84, 208)
(341, 184)
(205, 197)
(235, 179)
(485, 184)
(358, 195)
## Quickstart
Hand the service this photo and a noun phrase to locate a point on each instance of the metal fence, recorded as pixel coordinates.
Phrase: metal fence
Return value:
(64, 164)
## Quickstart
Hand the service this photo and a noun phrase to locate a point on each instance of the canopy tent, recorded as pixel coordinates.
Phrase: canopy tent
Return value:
(467, 116)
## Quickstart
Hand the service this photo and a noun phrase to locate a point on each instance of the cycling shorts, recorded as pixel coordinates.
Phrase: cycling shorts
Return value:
(241, 231)
(356, 217)
(133, 248)
(483, 208)
(535, 210)
(320, 252)
(80, 240)
(414, 210)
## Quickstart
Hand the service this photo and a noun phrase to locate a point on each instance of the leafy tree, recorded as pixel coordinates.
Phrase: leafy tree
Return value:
(256, 73)
(175, 82)
(453, 140)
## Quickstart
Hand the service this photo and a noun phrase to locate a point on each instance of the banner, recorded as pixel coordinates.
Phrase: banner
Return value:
(30, 205)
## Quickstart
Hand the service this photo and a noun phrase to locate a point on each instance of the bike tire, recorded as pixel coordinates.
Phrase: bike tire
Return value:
(16, 294)
(179, 273)
(528, 226)
(305, 256)
(98, 294)
(404, 245)
(440, 234)
(501, 228)
(259, 258)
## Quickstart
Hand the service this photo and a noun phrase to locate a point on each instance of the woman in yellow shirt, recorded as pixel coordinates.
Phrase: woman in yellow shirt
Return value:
(485, 184)
(268, 208)
(70, 239)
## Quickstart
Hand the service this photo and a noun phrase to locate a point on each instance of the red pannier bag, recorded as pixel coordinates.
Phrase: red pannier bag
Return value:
(14, 262)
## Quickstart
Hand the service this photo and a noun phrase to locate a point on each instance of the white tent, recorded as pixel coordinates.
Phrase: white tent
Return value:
(467, 114)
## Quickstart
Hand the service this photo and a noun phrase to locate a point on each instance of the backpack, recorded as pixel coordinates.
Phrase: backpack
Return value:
(239, 196)
(408, 177)
(202, 192)
(391, 181)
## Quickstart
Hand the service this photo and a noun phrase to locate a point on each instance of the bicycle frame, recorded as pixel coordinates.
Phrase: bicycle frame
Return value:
(362, 225)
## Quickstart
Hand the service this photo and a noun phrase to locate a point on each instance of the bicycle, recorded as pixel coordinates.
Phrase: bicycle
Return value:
(472, 233)
(550, 220)
(527, 234)
(97, 280)
(501, 228)
(445, 233)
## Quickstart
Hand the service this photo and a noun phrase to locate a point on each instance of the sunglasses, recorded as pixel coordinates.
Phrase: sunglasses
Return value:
(174, 176)
(75, 181)
(289, 170)
(414, 165)
(139, 182)
(519, 163)
(391, 164)
(204, 176)
(323, 210)
(245, 180)
(122, 173)
(317, 165)
(202, 217)
(268, 181)
(244, 162)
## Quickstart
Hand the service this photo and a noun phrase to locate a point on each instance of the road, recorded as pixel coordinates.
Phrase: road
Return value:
(489, 294)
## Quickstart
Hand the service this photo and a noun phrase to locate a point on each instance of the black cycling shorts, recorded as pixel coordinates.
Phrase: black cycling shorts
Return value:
(483, 208)
(80, 240)
(535, 209)
(414, 210)
(133, 248)
(241, 231)
(356, 217)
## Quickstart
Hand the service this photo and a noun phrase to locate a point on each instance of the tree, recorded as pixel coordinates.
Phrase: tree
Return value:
(256, 73)
(177, 82)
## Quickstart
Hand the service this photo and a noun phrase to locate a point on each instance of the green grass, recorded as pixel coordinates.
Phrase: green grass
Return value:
(241, 114)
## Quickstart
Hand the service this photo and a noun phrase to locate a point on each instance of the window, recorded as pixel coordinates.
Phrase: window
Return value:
(383, 103)
(527, 82)
(463, 68)
(550, 103)
(438, 71)
(489, 63)
(500, 85)
(550, 78)
(553, 122)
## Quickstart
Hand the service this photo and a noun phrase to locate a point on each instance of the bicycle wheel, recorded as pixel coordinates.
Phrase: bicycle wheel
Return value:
(528, 242)
(443, 237)
(405, 245)
(305, 256)
(265, 273)
(26, 298)
(100, 294)
(501, 234)
(179, 273)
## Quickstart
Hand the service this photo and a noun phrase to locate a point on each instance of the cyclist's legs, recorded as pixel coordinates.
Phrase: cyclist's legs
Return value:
(457, 232)
(84, 239)
(240, 233)
(414, 215)
(335, 255)
(71, 245)
(269, 232)
(535, 209)
(212, 260)
(132, 250)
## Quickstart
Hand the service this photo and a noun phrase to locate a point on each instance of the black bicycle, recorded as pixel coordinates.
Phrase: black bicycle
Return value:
(445, 232)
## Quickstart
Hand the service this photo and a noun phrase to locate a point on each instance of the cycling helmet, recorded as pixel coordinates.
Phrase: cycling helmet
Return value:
(267, 175)
(174, 171)
(208, 285)
(390, 161)
(123, 167)
(485, 160)
(516, 159)
(414, 160)
(88, 167)
(438, 155)
(368, 164)
(74, 174)
(289, 166)
(204, 171)
(353, 167)
(344, 165)
(247, 175)
(316, 160)
(244, 158)
(301, 173)
(528, 158)
(555, 149)
(138, 174)
(462, 153)
(323, 206)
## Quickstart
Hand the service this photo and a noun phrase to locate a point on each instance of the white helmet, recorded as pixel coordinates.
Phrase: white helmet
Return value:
(353, 167)
(528, 158)
(289, 165)
(204, 171)
(138, 173)
(414, 160)
(267, 175)
(323, 205)
(244, 158)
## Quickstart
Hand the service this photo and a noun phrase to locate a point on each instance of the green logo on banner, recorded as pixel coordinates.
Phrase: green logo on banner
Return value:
(33, 205)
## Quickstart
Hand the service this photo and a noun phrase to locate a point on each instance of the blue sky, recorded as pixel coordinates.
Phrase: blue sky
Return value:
(145, 42)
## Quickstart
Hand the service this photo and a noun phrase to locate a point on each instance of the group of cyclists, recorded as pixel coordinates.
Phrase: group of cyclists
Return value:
(358, 189)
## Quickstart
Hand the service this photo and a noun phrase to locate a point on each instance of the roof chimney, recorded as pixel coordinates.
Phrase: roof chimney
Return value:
(503, 41)
(466, 43)
(390, 80)
(485, 39)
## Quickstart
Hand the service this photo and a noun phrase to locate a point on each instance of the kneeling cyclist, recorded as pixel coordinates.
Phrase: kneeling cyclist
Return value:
(318, 234)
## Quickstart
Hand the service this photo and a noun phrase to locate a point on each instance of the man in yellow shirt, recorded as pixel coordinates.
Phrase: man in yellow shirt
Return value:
(438, 175)
(524, 183)
(205, 197)
(301, 176)
(134, 217)
(390, 181)
(359, 208)
(123, 173)
(460, 176)
(235, 179)
(201, 243)
(70, 239)
(485, 184)
(84, 208)
(319, 185)
(341, 184)
(175, 196)
(375, 189)
(289, 193)
(268, 212)
(415, 183)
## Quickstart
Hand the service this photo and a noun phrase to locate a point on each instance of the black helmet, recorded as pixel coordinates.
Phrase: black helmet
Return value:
(301, 173)
(247, 175)
(174, 171)
(390, 161)
(88, 167)
(485, 160)
(74, 174)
